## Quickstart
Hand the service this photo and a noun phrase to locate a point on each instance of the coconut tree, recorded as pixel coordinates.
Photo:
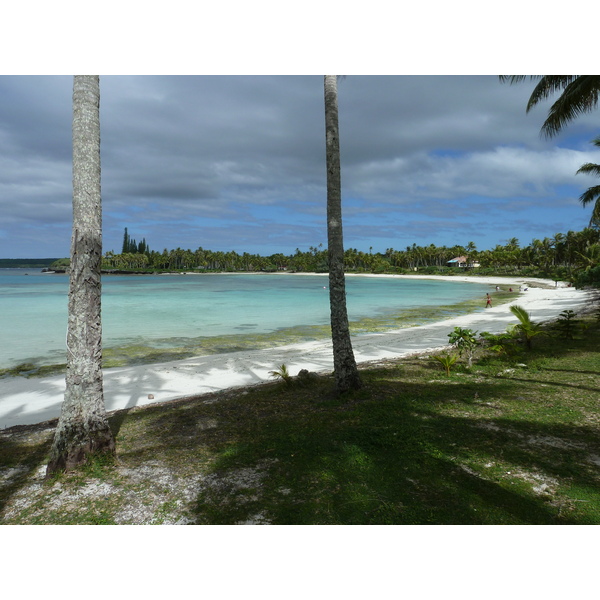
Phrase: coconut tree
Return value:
(590, 259)
(592, 194)
(579, 95)
(344, 363)
(83, 427)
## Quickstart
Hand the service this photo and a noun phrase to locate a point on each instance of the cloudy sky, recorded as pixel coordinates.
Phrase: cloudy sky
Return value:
(238, 163)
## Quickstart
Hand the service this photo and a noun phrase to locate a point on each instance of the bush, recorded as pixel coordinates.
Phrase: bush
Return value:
(465, 341)
(501, 343)
(61, 263)
(566, 324)
(591, 277)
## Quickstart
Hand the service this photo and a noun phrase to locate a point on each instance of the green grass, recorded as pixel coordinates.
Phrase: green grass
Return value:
(514, 440)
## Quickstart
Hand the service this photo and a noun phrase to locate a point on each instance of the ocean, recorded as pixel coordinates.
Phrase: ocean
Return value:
(150, 314)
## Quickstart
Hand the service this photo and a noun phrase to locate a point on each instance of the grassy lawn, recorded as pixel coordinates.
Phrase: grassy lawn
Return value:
(514, 440)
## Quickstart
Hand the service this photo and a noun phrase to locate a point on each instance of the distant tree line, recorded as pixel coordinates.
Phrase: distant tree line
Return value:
(571, 256)
(26, 263)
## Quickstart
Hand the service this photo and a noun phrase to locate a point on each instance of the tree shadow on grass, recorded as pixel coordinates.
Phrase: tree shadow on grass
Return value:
(374, 457)
(351, 482)
(557, 384)
(574, 371)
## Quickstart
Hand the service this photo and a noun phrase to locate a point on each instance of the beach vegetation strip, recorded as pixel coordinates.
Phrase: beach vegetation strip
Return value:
(513, 439)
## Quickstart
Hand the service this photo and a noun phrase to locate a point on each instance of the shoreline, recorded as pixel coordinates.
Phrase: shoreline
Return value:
(32, 401)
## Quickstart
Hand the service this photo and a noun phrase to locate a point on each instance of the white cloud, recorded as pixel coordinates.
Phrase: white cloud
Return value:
(183, 154)
(502, 172)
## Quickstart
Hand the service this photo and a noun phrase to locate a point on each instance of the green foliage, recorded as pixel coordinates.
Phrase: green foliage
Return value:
(500, 343)
(61, 263)
(588, 277)
(26, 263)
(130, 246)
(446, 360)
(465, 341)
(555, 257)
(592, 194)
(566, 324)
(282, 373)
(526, 329)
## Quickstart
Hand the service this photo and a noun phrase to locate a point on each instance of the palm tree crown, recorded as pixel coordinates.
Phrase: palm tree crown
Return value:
(579, 95)
(592, 194)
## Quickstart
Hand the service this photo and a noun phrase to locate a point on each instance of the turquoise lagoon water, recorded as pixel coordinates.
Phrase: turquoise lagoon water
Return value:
(166, 310)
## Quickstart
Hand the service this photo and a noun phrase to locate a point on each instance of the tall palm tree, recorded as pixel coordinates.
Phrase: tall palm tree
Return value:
(592, 194)
(590, 258)
(471, 250)
(344, 363)
(579, 95)
(83, 427)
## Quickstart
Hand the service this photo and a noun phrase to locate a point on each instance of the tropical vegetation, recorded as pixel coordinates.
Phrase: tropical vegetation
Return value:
(27, 263)
(578, 95)
(464, 340)
(592, 194)
(572, 256)
(526, 329)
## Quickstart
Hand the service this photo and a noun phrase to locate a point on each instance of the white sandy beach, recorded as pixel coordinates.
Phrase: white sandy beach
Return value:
(28, 401)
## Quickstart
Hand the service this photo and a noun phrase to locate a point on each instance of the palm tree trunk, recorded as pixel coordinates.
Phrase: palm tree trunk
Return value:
(344, 364)
(83, 427)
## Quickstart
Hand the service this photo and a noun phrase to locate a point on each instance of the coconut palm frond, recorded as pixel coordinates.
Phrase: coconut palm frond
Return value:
(590, 169)
(595, 218)
(521, 314)
(282, 373)
(548, 85)
(516, 78)
(526, 328)
(596, 141)
(579, 96)
(590, 195)
(591, 258)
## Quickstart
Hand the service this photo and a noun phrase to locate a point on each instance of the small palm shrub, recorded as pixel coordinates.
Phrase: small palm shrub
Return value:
(282, 373)
(526, 328)
(447, 361)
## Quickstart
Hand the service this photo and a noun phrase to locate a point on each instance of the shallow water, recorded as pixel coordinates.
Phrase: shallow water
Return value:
(174, 311)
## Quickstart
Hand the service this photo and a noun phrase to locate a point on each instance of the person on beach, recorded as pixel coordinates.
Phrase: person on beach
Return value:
(488, 301)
